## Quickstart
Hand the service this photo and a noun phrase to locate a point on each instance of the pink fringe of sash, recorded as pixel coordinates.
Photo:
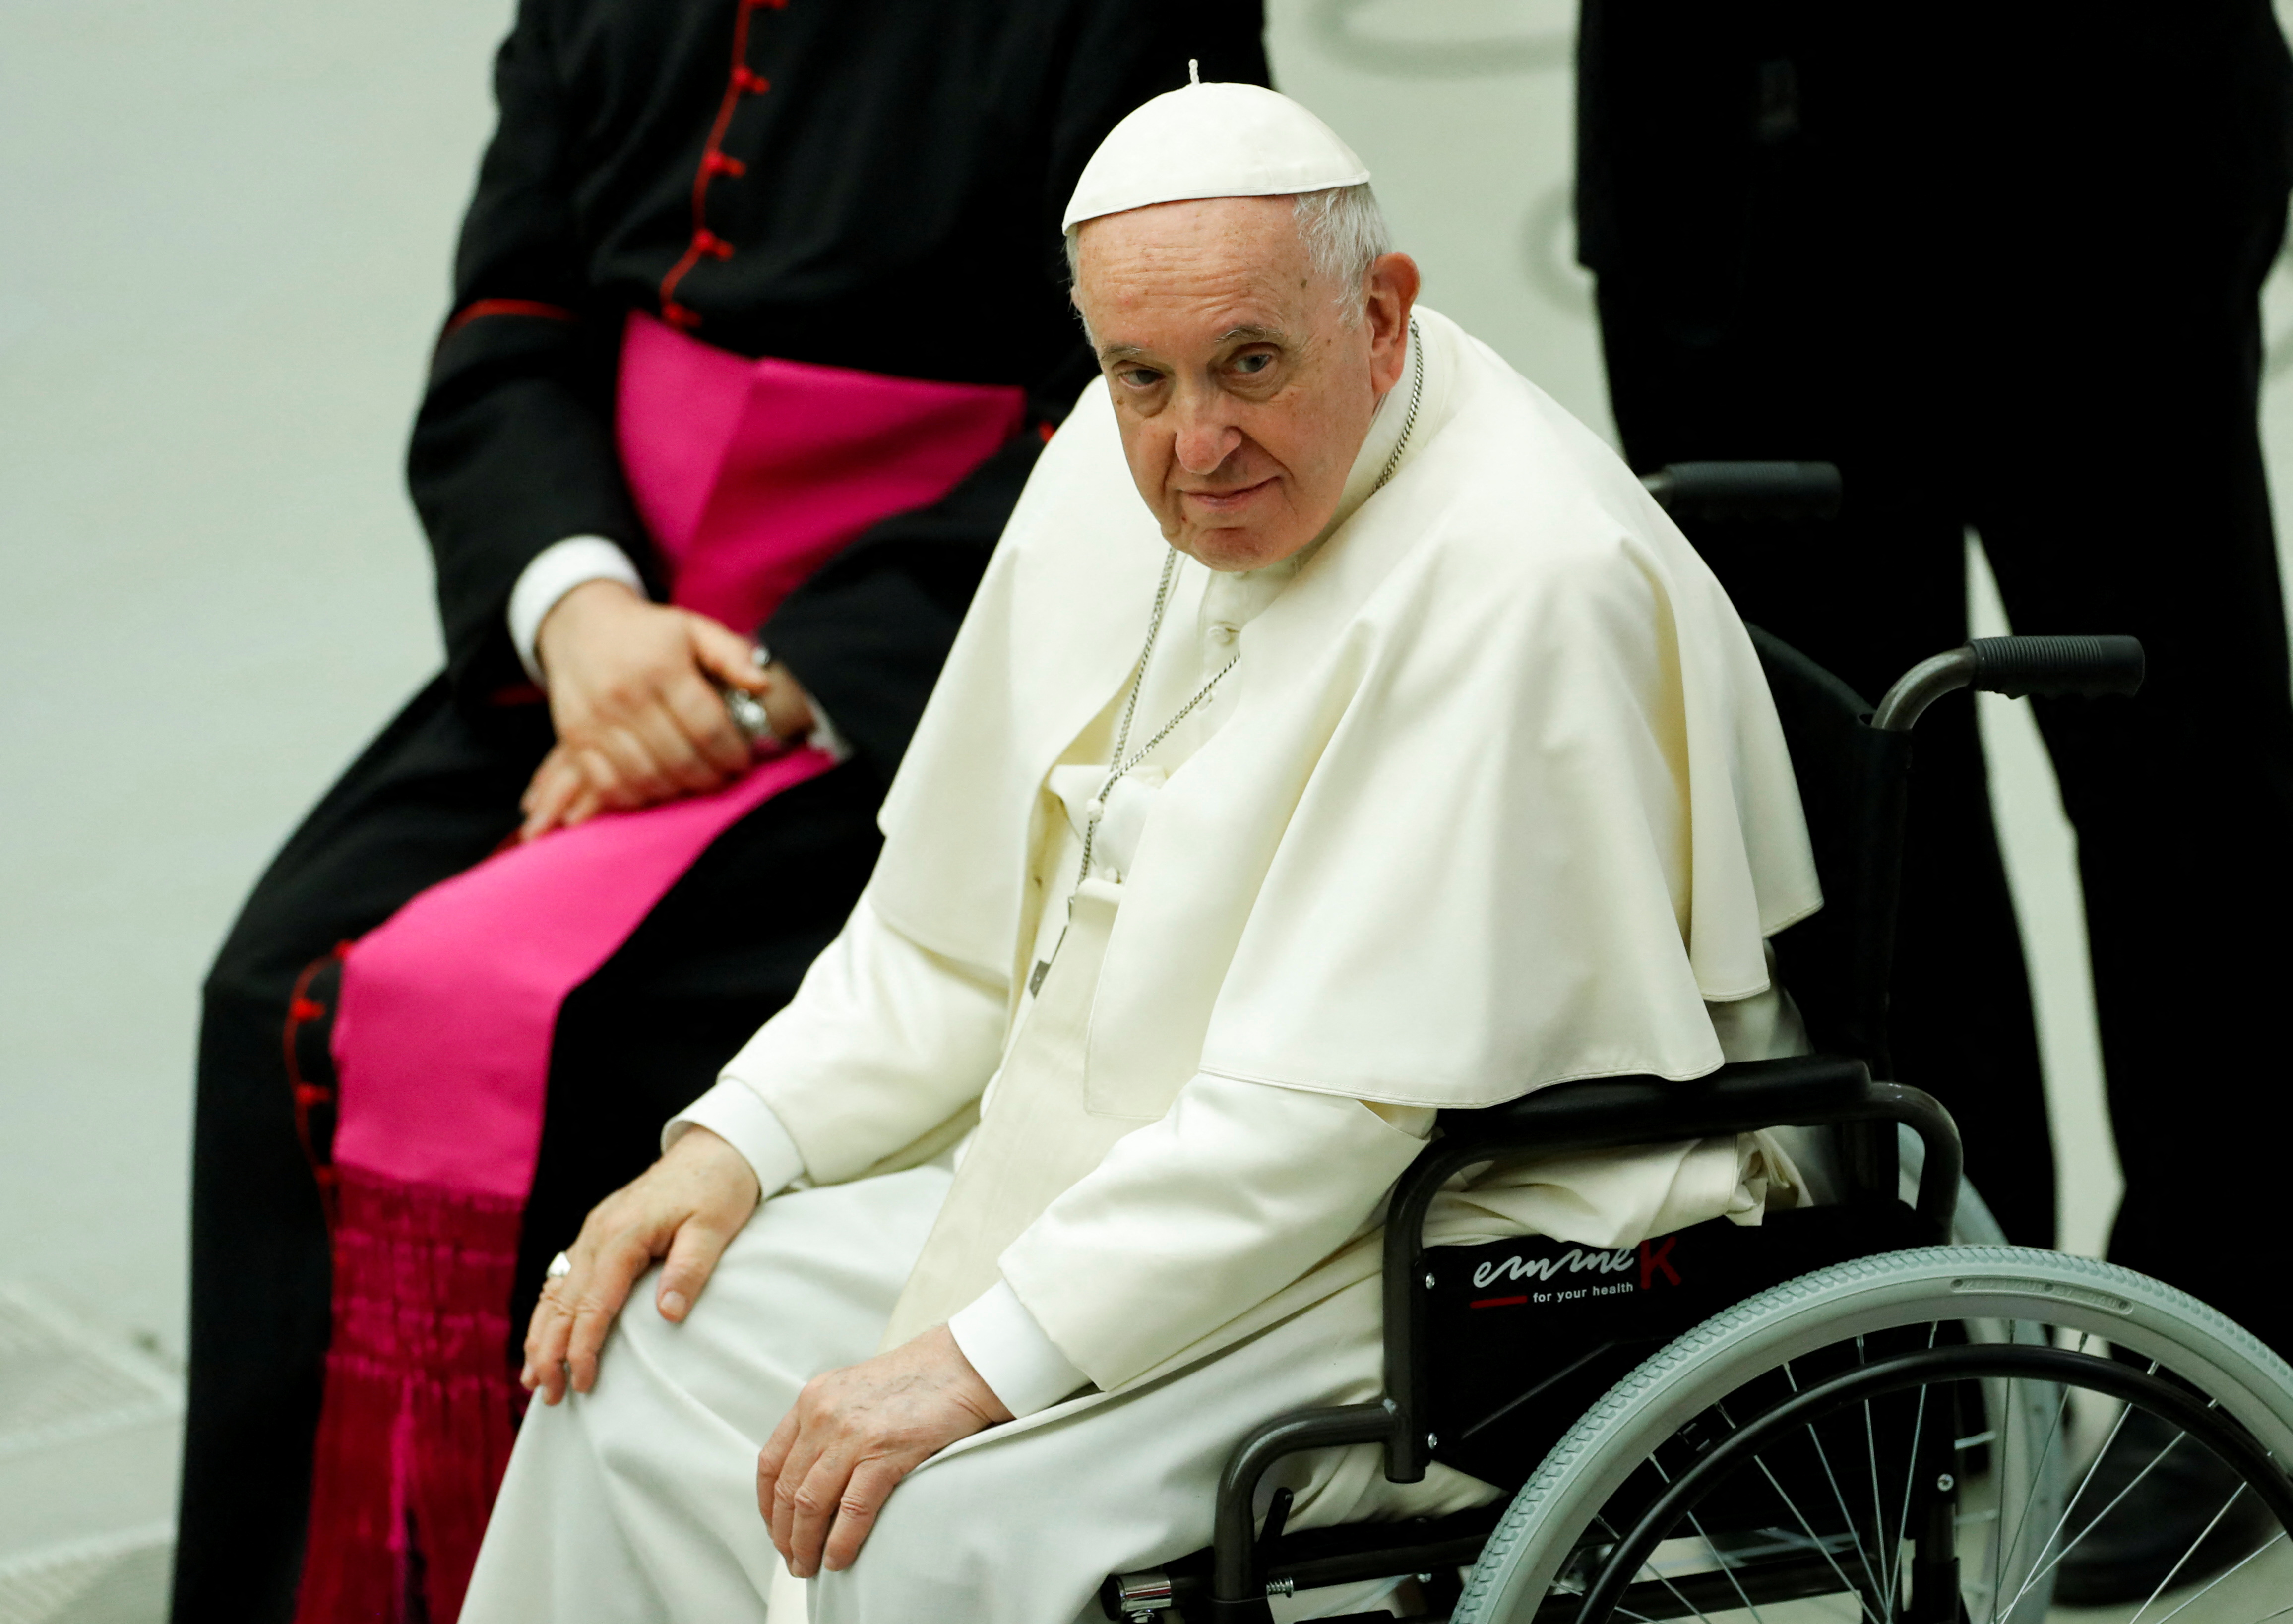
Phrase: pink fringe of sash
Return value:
(415, 1376)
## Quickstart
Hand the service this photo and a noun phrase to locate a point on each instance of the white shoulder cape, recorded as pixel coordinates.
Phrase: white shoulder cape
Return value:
(1503, 800)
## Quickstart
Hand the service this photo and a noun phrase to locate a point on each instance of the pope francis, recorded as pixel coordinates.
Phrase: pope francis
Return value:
(1340, 733)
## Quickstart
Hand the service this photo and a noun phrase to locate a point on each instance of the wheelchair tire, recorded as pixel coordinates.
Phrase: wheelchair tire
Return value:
(2017, 1298)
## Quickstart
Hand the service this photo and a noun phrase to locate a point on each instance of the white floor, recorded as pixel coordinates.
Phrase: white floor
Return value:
(224, 239)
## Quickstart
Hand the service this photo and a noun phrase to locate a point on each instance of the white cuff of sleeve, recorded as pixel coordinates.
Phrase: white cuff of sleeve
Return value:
(555, 571)
(824, 736)
(1021, 1365)
(734, 1114)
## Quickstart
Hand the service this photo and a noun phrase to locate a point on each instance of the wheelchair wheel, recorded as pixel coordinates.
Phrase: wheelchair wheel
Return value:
(1904, 1437)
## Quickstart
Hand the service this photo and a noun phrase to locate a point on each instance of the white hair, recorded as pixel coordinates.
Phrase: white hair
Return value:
(1344, 232)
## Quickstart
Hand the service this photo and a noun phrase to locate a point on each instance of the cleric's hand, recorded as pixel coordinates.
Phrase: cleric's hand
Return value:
(687, 1208)
(632, 695)
(854, 1434)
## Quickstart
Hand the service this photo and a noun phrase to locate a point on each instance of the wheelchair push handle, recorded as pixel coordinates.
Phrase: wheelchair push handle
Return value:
(2087, 666)
(2091, 667)
(1747, 490)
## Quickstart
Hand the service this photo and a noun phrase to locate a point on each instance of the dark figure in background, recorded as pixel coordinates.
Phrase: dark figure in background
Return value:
(619, 491)
(2002, 265)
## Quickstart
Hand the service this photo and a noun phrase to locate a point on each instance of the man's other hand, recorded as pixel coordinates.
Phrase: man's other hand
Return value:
(632, 695)
(854, 1434)
(687, 1208)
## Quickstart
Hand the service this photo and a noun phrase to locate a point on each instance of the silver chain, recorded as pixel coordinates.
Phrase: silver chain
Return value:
(1121, 766)
(1122, 741)
(1185, 710)
(1416, 399)
(1130, 710)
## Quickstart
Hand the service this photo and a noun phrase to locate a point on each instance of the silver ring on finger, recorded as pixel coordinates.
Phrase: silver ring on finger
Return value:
(559, 1268)
(749, 715)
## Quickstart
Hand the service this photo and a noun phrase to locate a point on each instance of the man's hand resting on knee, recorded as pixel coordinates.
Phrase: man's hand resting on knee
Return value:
(836, 1457)
(687, 1208)
(633, 697)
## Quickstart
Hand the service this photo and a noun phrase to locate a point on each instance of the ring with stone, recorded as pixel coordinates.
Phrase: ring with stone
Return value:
(559, 1266)
(748, 714)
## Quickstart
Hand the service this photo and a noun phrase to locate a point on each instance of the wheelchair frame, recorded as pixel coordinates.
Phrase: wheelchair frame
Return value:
(1604, 1113)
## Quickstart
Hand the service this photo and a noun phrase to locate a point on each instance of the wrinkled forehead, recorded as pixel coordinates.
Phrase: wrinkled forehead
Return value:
(1212, 262)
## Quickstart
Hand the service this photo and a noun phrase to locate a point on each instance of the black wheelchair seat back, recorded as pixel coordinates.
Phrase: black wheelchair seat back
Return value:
(1853, 780)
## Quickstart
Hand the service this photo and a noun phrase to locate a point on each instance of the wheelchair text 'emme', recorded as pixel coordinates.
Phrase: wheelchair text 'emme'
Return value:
(1575, 1261)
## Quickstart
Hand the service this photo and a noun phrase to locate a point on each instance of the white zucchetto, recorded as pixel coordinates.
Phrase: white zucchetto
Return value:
(1212, 141)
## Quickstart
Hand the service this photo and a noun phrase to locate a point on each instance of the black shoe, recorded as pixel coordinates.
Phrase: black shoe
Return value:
(2122, 1552)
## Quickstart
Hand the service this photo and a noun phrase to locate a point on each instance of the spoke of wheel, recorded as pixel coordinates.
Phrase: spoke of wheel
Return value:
(2063, 1520)
(2266, 1545)
(2002, 1477)
(1862, 1606)
(1728, 1567)
(2167, 1583)
(1649, 1567)
(1615, 1538)
(2003, 1429)
(1638, 1617)
(1838, 1494)
(1910, 1480)
(2022, 1517)
(1878, 1512)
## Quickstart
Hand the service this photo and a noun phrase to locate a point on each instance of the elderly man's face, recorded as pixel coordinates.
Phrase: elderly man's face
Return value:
(1242, 390)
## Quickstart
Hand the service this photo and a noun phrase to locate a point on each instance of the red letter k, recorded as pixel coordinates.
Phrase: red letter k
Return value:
(1657, 1259)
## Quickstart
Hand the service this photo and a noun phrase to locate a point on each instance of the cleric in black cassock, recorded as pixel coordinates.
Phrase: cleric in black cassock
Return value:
(2003, 266)
(865, 186)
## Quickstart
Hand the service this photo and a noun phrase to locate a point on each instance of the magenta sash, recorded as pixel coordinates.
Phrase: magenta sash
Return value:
(750, 475)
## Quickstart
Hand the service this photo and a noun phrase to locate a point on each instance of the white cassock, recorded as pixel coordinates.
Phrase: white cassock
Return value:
(1493, 799)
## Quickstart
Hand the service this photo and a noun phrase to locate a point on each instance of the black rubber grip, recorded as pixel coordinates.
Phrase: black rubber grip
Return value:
(2089, 666)
(1747, 490)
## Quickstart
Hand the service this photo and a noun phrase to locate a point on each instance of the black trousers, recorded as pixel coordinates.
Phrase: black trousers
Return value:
(2095, 423)
(635, 1043)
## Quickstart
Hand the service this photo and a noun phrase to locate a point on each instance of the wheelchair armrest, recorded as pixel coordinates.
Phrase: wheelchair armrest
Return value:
(1602, 1111)
(1605, 1113)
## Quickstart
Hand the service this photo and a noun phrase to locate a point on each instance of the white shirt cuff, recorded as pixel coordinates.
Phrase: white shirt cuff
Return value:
(555, 571)
(734, 1114)
(824, 736)
(1021, 1365)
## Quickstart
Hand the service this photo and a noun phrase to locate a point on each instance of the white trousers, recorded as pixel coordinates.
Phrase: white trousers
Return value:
(637, 1500)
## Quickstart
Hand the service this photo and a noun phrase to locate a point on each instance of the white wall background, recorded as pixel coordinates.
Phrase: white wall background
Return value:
(224, 239)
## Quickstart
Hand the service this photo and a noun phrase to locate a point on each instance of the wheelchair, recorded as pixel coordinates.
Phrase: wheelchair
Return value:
(1870, 1409)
